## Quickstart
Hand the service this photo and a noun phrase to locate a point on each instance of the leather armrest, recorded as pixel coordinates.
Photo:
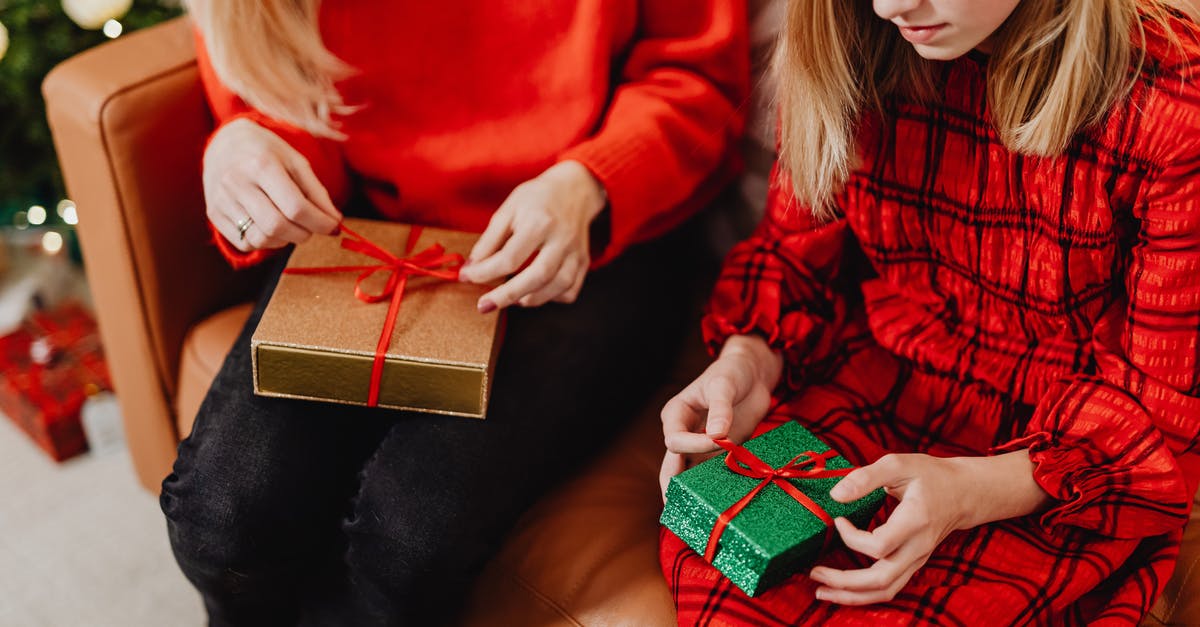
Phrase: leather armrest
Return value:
(130, 120)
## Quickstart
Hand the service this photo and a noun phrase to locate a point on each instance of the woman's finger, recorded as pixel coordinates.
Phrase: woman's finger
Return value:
(220, 210)
(229, 231)
(257, 240)
(302, 174)
(719, 392)
(233, 213)
(559, 285)
(268, 219)
(881, 575)
(904, 524)
(690, 443)
(498, 230)
(572, 294)
(673, 464)
(541, 272)
(681, 417)
(255, 237)
(843, 596)
(291, 201)
(888, 471)
(517, 249)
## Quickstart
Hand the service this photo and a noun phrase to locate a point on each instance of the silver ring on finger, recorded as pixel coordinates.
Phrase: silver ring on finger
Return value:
(243, 225)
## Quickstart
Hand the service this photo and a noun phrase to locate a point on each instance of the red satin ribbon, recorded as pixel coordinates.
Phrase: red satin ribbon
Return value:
(807, 465)
(432, 262)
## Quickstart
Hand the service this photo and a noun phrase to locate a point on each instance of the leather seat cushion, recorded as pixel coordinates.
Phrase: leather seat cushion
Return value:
(203, 352)
(1180, 602)
(587, 554)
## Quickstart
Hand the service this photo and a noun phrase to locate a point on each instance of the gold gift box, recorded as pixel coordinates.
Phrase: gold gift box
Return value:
(317, 340)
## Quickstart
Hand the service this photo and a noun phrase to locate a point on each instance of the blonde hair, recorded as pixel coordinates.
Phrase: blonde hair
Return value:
(1057, 67)
(270, 53)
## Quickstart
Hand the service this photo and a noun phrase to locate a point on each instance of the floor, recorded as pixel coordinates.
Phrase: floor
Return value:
(81, 543)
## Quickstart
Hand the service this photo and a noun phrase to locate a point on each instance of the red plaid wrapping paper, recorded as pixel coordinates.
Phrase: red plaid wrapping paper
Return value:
(44, 399)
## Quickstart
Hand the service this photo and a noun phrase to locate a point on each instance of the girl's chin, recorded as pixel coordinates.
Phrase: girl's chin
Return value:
(941, 52)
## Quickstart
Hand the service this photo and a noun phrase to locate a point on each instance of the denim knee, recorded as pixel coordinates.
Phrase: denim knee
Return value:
(409, 561)
(212, 532)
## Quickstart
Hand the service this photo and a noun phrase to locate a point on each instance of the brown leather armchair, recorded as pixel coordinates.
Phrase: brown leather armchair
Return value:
(129, 120)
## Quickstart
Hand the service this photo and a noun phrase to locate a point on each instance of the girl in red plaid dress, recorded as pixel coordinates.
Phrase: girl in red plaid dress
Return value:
(979, 279)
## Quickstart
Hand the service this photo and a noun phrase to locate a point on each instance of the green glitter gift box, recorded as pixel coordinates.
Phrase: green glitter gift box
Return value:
(776, 534)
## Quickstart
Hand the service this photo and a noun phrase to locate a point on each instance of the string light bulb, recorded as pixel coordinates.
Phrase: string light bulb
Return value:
(52, 242)
(112, 29)
(36, 215)
(3, 40)
(93, 14)
(68, 212)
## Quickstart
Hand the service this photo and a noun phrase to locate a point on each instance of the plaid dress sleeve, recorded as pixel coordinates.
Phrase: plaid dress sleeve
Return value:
(1116, 445)
(779, 283)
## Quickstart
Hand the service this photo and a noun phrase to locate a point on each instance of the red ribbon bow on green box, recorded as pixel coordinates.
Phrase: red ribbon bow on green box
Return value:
(806, 465)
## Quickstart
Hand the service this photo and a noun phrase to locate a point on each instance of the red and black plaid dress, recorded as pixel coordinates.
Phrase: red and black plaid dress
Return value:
(972, 301)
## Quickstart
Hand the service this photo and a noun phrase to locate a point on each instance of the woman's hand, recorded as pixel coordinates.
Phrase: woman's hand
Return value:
(251, 174)
(548, 216)
(727, 400)
(937, 496)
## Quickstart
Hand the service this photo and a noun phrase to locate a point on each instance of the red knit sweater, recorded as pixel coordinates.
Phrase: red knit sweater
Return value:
(462, 100)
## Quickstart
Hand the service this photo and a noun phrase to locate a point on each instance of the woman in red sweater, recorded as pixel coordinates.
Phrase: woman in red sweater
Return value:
(571, 135)
(995, 311)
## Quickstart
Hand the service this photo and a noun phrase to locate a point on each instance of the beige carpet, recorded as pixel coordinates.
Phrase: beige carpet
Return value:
(82, 543)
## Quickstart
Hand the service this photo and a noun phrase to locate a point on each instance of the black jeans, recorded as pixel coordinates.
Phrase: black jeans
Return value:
(285, 511)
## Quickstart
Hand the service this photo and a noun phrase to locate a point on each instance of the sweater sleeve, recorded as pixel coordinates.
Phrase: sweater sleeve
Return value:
(781, 284)
(323, 155)
(674, 118)
(1117, 446)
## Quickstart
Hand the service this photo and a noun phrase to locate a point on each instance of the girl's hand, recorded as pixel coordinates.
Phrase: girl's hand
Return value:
(549, 217)
(727, 400)
(937, 496)
(251, 174)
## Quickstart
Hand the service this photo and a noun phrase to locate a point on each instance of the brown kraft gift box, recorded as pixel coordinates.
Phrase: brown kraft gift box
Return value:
(317, 340)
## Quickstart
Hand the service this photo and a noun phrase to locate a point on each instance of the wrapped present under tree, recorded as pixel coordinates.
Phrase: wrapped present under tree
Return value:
(48, 368)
